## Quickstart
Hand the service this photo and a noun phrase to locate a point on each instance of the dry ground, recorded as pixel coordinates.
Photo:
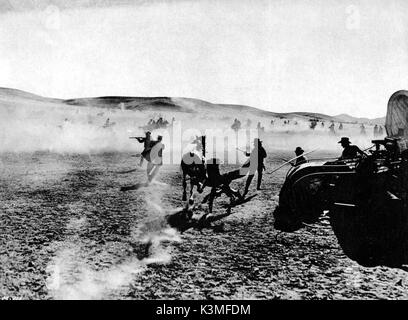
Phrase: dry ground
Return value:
(66, 231)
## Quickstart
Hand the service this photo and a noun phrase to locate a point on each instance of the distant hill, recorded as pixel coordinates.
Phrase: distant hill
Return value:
(347, 118)
(187, 105)
(8, 93)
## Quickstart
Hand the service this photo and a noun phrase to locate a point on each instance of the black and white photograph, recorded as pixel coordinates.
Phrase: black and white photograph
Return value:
(211, 150)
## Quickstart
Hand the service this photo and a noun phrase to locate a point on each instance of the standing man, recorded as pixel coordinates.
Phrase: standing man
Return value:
(253, 164)
(331, 128)
(375, 131)
(147, 141)
(362, 129)
(155, 158)
(349, 151)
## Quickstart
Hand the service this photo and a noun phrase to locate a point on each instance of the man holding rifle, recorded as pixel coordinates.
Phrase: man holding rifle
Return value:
(152, 152)
(147, 146)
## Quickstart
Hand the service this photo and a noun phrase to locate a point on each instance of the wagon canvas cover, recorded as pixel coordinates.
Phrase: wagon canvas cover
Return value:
(396, 122)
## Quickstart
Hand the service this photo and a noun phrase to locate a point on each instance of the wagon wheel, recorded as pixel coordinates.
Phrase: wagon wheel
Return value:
(374, 232)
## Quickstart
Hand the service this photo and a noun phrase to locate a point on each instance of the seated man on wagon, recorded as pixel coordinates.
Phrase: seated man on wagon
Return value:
(349, 151)
(301, 159)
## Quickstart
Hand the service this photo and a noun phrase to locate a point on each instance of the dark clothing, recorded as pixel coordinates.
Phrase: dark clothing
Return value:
(300, 160)
(351, 152)
(216, 180)
(249, 180)
(256, 156)
(255, 163)
(261, 158)
(147, 145)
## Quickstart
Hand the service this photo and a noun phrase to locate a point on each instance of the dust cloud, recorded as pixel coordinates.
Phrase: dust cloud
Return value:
(31, 126)
(72, 276)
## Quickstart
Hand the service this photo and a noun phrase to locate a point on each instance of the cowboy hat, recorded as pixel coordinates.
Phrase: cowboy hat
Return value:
(344, 140)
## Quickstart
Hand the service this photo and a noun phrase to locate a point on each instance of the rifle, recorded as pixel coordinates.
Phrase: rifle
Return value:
(289, 161)
(137, 138)
(245, 152)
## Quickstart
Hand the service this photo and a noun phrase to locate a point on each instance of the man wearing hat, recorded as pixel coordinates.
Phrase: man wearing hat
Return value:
(300, 159)
(254, 163)
(350, 151)
(147, 146)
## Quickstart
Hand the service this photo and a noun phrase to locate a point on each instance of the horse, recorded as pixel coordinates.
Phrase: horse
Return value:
(193, 166)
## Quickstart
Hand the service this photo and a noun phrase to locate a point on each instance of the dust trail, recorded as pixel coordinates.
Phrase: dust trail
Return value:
(72, 277)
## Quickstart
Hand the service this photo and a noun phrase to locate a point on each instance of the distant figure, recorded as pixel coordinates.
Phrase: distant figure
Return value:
(322, 124)
(375, 131)
(362, 129)
(236, 125)
(340, 126)
(331, 128)
(301, 159)
(259, 128)
(350, 151)
(313, 124)
(107, 123)
(254, 163)
(146, 140)
(272, 122)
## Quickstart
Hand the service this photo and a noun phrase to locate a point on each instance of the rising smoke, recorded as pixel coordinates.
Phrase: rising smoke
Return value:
(52, 127)
(73, 276)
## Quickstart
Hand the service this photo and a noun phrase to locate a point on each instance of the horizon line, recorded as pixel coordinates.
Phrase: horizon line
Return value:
(178, 97)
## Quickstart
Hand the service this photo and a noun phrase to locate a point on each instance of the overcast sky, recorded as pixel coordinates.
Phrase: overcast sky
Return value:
(324, 56)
